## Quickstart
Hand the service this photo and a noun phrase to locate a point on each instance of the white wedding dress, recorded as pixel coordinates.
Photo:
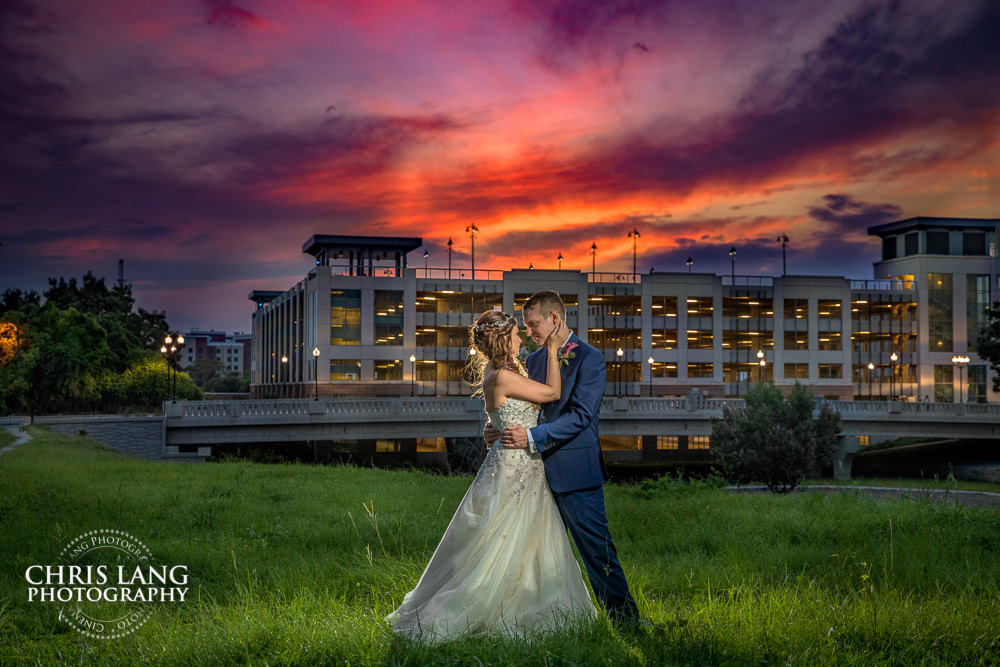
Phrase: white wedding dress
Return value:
(504, 565)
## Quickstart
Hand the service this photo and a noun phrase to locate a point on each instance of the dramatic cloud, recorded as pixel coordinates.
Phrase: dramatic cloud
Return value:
(848, 214)
(204, 142)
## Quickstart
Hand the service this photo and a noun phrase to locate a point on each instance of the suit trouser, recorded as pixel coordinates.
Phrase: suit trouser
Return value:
(584, 515)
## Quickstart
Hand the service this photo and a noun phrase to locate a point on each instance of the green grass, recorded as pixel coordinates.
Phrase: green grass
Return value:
(6, 438)
(295, 564)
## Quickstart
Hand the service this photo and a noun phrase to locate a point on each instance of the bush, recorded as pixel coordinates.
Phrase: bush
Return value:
(773, 440)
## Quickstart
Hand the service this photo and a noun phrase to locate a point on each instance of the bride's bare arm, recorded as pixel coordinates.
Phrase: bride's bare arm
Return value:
(515, 385)
(511, 384)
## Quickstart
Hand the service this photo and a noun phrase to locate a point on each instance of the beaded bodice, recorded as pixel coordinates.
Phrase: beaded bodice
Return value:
(514, 411)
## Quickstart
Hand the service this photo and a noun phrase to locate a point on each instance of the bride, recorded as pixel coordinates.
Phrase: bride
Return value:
(504, 565)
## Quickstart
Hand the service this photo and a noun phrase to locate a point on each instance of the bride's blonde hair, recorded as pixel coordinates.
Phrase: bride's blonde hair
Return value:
(489, 338)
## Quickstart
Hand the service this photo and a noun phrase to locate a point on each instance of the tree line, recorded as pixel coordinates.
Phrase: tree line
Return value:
(82, 347)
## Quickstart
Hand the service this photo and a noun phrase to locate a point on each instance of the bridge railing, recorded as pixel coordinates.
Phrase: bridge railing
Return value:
(462, 407)
(331, 406)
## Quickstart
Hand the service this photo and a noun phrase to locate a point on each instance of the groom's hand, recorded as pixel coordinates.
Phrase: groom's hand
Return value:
(490, 434)
(515, 436)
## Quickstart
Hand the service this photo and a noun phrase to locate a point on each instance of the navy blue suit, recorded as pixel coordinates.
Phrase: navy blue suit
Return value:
(567, 439)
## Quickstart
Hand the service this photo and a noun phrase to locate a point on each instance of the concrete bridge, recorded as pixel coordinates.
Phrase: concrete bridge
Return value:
(203, 424)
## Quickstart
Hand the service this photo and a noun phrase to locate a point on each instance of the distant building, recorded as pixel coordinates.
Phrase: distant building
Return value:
(233, 350)
(367, 313)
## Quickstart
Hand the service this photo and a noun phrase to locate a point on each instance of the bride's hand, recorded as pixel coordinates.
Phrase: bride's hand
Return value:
(555, 339)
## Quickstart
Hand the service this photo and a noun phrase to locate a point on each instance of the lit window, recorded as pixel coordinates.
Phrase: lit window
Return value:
(667, 442)
(698, 441)
(387, 445)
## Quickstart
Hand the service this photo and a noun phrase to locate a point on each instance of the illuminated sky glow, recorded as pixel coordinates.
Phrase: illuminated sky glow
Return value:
(204, 142)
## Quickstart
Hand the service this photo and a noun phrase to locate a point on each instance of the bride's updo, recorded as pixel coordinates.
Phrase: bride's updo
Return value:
(489, 346)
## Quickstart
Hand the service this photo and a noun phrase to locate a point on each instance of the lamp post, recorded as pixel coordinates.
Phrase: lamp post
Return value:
(449, 257)
(170, 350)
(284, 377)
(760, 363)
(164, 351)
(619, 353)
(690, 263)
(893, 358)
(413, 375)
(650, 360)
(871, 369)
(784, 244)
(473, 231)
(634, 235)
(559, 259)
(426, 255)
(732, 263)
(316, 373)
(961, 362)
(593, 260)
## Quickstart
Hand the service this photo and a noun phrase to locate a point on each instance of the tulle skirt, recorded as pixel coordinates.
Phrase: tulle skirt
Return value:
(504, 565)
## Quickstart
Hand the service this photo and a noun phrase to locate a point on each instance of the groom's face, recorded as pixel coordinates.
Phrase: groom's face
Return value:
(538, 327)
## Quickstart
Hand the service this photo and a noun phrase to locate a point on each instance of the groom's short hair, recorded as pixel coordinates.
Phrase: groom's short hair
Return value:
(546, 301)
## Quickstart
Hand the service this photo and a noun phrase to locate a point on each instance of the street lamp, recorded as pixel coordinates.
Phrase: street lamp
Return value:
(634, 235)
(690, 263)
(893, 358)
(426, 255)
(316, 373)
(171, 355)
(473, 231)
(784, 244)
(413, 375)
(166, 360)
(732, 263)
(760, 362)
(559, 259)
(593, 259)
(871, 368)
(284, 377)
(760, 371)
(449, 257)
(619, 354)
(961, 362)
(650, 360)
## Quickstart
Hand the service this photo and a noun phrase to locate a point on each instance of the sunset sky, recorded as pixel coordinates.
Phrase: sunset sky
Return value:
(204, 142)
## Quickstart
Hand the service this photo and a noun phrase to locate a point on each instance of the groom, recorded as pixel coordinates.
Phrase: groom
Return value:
(567, 438)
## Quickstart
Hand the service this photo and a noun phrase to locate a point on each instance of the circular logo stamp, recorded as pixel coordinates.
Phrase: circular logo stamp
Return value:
(106, 584)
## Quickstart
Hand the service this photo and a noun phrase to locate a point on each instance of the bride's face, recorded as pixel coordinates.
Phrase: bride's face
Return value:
(515, 341)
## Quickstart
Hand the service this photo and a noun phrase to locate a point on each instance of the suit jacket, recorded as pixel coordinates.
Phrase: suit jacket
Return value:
(566, 434)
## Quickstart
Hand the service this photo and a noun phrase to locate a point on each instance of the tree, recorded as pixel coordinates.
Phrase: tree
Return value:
(230, 383)
(988, 342)
(15, 299)
(87, 348)
(203, 370)
(129, 331)
(774, 440)
(64, 360)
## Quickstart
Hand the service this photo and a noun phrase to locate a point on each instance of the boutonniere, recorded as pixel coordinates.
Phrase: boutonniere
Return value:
(567, 353)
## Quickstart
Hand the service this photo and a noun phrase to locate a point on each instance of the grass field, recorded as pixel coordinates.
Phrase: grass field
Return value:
(6, 438)
(296, 564)
(943, 484)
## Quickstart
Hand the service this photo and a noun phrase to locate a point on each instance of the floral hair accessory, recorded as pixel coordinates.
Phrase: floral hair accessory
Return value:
(567, 353)
(494, 325)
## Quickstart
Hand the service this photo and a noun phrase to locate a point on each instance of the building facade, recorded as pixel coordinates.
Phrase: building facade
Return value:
(362, 322)
(233, 350)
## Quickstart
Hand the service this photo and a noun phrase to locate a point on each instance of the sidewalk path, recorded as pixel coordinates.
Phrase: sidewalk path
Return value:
(958, 496)
(22, 437)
